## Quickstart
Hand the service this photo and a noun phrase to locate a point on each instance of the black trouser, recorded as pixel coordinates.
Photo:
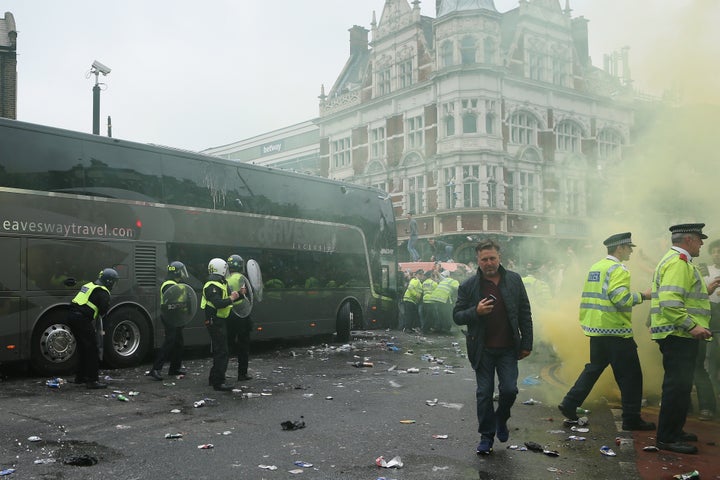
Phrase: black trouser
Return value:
(679, 356)
(238, 330)
(171, 348)
(621, 354)
(411, 319)
(83, 329)
(217, 328)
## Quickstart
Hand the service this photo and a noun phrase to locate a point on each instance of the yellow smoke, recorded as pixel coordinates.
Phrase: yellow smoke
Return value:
(668, 175)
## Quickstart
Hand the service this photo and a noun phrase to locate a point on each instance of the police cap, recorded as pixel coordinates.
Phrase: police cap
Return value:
(695, 228)
(618, 239)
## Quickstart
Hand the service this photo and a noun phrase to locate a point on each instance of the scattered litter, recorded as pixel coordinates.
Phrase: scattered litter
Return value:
(517, 447)
(44, 461)
(576, 438)
(579, 429)
(226, 432)
(607, 451)
(556, 431)
(532, 401)
(34, 438)
(437, 469)
(123, 427)
(54, 383)
(295, 471)
(205, 402)
(8, 471)
(535, 447)
(582, 421)
(551, 453)
(329, 397)
(175, 410)
(206, 446)
(133, 394)
(363, 364)
(290, 425)
(651, 448)
(394, 384)
(267, 467)
(81, 461)
(396, 462)
(687, 476)
(531, 380)
(431, 403)
(302, 464)
(407, 422)
(581, 411)
(413, 370)
(173, 435)
(169, 384)
(122, 398)
(440, 436)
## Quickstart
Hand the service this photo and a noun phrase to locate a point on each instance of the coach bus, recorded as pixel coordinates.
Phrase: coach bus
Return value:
(73, 203)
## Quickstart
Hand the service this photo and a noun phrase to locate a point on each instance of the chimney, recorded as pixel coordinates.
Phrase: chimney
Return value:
(358, 39)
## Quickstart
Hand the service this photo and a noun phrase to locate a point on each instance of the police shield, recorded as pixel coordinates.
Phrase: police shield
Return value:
(243, 309)
(255, 277)
(179, 305)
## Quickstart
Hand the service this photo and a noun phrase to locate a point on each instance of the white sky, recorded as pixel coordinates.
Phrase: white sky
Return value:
(195, 75)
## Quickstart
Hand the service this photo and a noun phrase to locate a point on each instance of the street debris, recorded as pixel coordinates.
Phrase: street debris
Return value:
(267, 467)
(607, 451)
(687, 476)
(651, 448)
(81, 461)
(407, 422)
(395, 462)
(206, 446)
(290, 425)
(34, 438)
(173, 435)
(302, 464)
(440, 436)
(532, 401)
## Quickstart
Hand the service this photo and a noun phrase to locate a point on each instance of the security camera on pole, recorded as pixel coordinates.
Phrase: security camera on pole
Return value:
(97, 68)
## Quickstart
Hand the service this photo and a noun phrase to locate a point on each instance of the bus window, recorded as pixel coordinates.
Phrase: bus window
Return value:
(10, 261)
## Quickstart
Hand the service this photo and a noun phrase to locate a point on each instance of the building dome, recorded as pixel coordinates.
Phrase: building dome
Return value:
(449, 6)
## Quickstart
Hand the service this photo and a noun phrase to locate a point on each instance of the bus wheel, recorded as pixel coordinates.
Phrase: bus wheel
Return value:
(348, 319)
(53, 349)
(127, 338)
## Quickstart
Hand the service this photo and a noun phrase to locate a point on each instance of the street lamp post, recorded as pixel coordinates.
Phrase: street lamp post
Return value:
(96, 69)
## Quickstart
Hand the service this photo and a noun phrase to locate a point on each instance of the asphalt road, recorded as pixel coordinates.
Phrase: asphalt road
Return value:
(352, 416)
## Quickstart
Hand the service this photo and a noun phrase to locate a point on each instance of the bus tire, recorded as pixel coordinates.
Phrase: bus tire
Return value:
(127, 338)
(53, 349)
(349, 318)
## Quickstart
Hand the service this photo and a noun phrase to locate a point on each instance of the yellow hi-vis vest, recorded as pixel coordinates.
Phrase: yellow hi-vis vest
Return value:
(83, 297)
(236, 280)
(413, 292)
(606, 306)
(679, 298)
(427, 288)
(538, 291)
(166, 283)
(442, 293)
(222, 312)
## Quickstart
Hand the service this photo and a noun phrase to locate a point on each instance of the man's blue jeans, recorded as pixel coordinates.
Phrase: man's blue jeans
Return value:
(504, 361)
(411, 248)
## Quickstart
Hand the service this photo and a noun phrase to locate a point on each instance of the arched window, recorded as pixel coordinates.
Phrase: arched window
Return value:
(610, 143)
(523, 129)
(469, 122)
(467, 50)
(471, 186)
(569, 137)
(446, 54)
(489, 123)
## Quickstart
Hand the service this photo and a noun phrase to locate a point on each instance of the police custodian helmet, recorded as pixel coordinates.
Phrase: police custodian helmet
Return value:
(177, 270)
(107, 278)
(235, 263)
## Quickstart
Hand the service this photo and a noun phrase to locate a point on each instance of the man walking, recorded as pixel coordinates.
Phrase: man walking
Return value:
(606, 317)
(679, 319)
(494, 306)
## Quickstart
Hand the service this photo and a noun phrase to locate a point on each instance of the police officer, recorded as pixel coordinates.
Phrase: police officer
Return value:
(411, 299)
(679, 319)
(605, 317)
(88, 306)
(217, 302)
(427, 313)
(173, 345)
(239, 327)
(441, 302)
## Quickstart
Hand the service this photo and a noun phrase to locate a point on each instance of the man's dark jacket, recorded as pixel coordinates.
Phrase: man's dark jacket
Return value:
(517, 304)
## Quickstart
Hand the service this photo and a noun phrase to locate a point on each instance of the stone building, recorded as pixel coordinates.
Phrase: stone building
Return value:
(8, 67)
(478, 122)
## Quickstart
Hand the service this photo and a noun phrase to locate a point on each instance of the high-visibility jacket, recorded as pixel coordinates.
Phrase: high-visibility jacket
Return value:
(83, 297)
(679, 297)
(166, 284)
(445, 291)
(236, 280)
(413, 294)
(606, 306)
(427, 288)
(222, 312)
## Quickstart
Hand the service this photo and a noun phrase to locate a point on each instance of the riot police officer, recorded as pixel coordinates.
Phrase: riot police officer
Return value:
(239, 327)
(89, 305)
(173, 345)
(217, 302)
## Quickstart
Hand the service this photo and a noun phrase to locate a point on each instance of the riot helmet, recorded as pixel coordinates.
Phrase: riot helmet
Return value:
(107, 278)
(218, 266)
(177, 271)
(236, 263)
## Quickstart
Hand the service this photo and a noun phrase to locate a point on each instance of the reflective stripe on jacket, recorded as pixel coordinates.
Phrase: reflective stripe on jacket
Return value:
(443, 293)
(679, 297)
(428, 286)
(606, 306)
(236, 280)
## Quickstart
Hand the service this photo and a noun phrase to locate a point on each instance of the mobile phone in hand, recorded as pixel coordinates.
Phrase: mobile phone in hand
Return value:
(492, 298)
